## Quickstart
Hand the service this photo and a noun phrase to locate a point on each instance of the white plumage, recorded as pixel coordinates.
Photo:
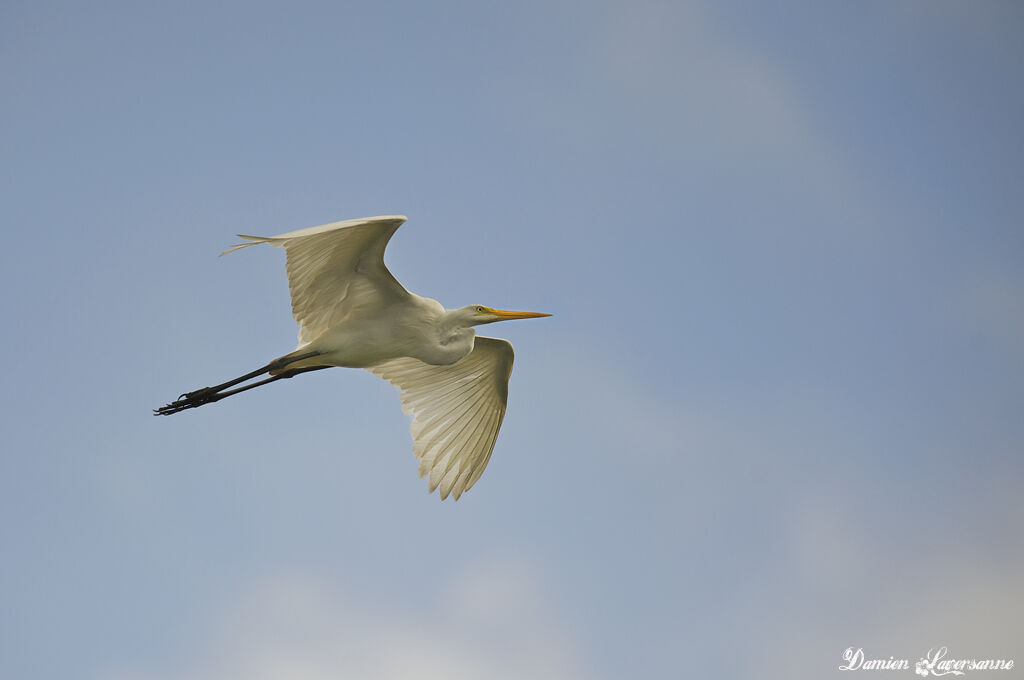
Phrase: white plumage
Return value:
(457, 411)
(335, 270)
(352, 312)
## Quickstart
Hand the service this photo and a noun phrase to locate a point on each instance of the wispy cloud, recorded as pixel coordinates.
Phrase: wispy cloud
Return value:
(490, 620)
(889, 595)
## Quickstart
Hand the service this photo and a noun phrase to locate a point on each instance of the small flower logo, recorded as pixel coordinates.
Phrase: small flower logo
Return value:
(926, 666)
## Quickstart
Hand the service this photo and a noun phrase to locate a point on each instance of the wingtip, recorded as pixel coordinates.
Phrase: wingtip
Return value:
(253, 240)
(234, 248)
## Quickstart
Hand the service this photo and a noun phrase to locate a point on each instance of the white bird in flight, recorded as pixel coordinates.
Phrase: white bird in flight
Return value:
(353, 313)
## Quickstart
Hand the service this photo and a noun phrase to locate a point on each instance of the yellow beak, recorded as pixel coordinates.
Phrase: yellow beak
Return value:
(505, 315)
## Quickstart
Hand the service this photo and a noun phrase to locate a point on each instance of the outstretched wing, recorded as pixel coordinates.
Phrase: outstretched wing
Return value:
(335, 270)
(457, 411)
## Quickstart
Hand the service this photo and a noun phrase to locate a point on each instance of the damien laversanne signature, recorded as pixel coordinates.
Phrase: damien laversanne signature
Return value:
(934, 663)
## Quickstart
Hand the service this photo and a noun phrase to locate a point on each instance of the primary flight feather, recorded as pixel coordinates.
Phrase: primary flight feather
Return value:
(352, 312)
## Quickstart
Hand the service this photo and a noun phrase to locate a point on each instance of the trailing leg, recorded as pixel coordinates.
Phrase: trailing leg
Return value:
(208, 395)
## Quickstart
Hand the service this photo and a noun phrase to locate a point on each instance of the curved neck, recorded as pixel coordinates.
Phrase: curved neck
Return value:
(454, 327)
(454, 336)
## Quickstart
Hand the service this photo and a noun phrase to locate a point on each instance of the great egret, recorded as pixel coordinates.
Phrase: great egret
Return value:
(353, 313)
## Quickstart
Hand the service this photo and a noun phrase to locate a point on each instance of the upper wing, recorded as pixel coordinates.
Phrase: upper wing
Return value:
(335, 269)
(457, 411)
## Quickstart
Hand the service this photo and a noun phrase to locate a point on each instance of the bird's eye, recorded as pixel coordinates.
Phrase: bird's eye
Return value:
(481, 310)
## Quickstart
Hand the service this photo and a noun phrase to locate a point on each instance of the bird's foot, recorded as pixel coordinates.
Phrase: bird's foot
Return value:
(195, 394)
(188, 400)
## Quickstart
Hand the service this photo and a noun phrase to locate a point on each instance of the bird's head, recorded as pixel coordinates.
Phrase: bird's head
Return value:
(475, 315)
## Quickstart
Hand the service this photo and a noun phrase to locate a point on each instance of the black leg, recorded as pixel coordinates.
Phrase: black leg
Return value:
(208, 395)
(279, 376)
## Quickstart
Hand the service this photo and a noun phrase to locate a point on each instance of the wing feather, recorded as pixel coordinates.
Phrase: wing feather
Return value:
(457, 411)
(336, 270)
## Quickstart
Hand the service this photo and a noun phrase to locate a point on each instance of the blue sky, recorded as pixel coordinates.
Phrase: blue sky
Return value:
(777, 412)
